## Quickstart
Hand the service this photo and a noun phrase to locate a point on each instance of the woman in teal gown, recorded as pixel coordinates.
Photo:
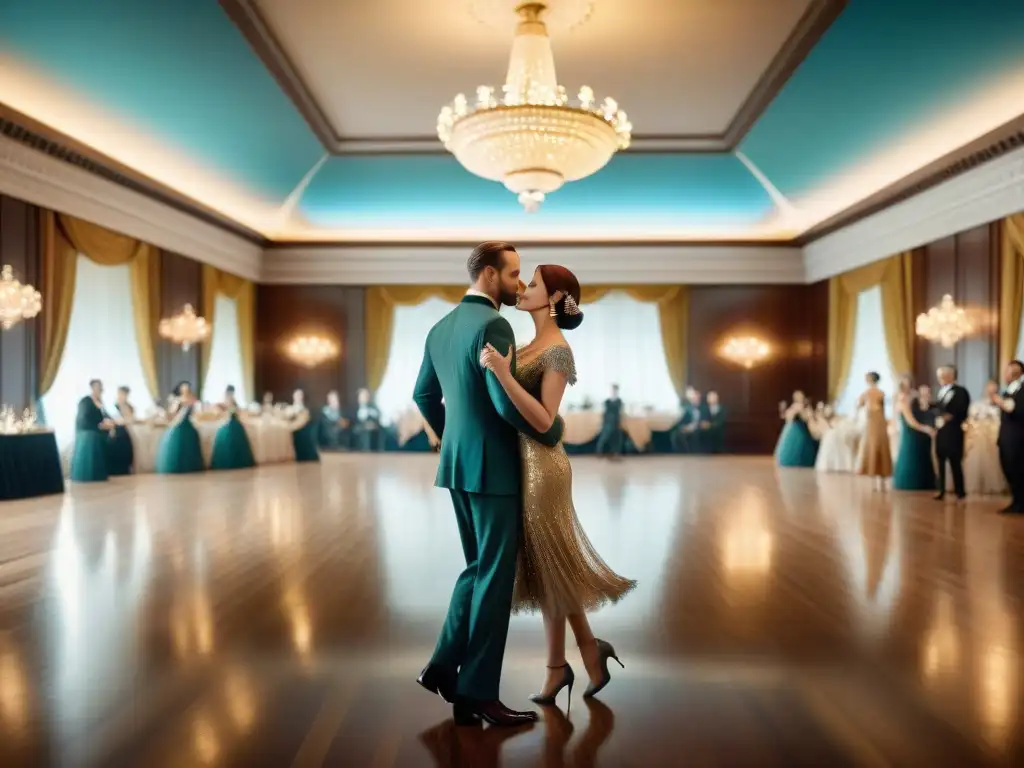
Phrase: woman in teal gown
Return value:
(180, 451)
(120, 451)
(797, 446)
(231, 449)
(92, 436)
(913, 470)
(303, 429)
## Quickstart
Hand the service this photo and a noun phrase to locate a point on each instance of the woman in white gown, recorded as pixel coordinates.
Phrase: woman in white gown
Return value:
(982, 471)
(839, 442)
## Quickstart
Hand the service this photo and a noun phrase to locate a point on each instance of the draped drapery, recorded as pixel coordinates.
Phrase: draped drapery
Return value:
(1011, 300)
(672, 301)
(894, 277)
(64, 237)
(243, 292)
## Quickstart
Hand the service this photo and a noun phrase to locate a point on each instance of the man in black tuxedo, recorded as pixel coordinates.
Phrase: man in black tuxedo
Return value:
(951, 405)
(1011, 434)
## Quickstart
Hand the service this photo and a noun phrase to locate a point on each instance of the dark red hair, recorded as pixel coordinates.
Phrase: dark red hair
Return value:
(556, 279)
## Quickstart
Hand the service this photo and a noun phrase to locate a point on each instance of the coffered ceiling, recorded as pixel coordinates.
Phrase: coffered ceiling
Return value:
(312, 120)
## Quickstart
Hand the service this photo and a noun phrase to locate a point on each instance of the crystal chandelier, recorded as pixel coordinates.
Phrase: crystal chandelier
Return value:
(745, 351)
(17, 302)
(944, 324)
(530, 137)
(311, 351)
(185, 328)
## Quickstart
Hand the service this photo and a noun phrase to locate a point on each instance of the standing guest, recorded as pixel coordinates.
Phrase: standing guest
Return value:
(797, 446)
(180, 450)
(983, 472)
(231, 448)
(268, 402)
(367, 426)
(92, 435)
(685, 437)
(1011, 435)
(611, 441)
(303, 429)
(951, 406)
(913, 470)
(713, 426)
(120, 451)
(333, 424)
(875, 453)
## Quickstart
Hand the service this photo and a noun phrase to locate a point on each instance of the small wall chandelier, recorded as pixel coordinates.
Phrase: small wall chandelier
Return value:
(185, 328)
(945, 324)
(17, 302)
(311, 351)
(745, 351)
(529, 137)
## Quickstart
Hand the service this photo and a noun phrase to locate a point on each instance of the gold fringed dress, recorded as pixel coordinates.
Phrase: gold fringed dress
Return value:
(558, 570)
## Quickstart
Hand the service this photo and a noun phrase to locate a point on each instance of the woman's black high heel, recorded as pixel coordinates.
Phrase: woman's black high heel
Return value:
(568, 678)
(604, 652)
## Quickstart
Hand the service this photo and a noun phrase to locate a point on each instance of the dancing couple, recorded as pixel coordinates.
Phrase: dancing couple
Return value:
(511, 486)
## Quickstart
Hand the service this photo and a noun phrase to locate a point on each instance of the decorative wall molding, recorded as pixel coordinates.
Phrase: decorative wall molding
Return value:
(985, 193)
(640, 263)
(51, 183)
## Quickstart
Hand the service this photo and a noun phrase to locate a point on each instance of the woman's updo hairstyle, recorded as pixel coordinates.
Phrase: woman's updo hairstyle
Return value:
(568, 314)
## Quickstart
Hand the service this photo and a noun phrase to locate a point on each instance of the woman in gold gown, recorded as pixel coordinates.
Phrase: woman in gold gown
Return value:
(559, 573)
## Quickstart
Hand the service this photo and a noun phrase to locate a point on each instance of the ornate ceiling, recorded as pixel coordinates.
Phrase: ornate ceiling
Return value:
(313, 120)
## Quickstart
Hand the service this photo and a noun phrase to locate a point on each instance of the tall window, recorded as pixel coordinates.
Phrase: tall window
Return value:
(101, 344)
(869, 354)
(225, 354)
(619, 342)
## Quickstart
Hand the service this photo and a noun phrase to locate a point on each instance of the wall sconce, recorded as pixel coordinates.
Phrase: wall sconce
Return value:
(311, 351)
(745, 351)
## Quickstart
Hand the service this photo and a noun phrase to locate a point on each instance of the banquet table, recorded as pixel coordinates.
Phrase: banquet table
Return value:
(29, 466)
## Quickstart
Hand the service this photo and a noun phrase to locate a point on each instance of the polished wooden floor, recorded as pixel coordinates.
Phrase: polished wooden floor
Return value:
(278, 617)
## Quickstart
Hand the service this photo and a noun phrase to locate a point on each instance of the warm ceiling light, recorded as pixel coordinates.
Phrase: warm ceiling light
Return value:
(528, 136)
(185, 328)
(944, 324)
(17, 302)
(745, 351)
(311, 351)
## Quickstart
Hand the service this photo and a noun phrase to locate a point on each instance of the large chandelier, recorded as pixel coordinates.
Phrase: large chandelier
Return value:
(944, 324)
(745, 351)
(17, 302)
(311, 351)
(529, 137)
(185, 328)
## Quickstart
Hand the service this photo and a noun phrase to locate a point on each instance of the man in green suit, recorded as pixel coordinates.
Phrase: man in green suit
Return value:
(478, 426)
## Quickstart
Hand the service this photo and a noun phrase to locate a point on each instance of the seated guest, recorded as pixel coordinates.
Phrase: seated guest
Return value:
(231, 449)
(92, 434)
(180, 450)
(983, 473)
(611, 441)
(796, 446)
(333, 424)
(685, 436)
(120, 451)
(303, 429)
(368, 433)
(712, 427)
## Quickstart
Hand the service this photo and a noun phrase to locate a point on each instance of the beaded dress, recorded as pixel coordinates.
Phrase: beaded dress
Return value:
(558, 570)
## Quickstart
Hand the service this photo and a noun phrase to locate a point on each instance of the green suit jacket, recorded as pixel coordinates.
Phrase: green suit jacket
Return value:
(477, 423)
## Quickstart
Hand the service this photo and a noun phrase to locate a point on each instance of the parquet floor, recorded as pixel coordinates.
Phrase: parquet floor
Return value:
(279, 616)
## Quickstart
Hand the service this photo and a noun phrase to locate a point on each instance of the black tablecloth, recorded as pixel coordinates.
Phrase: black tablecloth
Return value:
(29, 466)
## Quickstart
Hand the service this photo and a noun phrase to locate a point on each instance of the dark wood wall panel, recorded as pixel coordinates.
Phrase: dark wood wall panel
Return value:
(332, 310)
(966, 266)
(19, 247)
(181, 284)
(793, 318)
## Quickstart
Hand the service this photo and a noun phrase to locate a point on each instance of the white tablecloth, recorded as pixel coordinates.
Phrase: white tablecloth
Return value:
(271, 441)
(583, 426)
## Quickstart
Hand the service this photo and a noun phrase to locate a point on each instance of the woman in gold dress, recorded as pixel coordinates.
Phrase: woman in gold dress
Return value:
(559, 573)
(875, 453)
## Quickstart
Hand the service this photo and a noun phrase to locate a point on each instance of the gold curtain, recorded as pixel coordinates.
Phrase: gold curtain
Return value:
(672, 301)
(64, 237)
(380, 319)
(894, 277)
(216, 281)
(1011, 300)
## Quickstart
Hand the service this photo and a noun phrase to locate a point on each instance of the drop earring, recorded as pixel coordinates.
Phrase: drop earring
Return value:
(551, 308)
